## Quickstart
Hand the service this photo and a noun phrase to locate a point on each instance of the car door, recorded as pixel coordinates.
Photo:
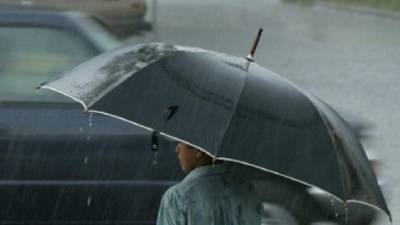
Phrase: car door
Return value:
(59, 165)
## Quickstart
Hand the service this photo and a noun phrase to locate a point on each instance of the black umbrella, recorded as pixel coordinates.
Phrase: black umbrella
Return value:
(229, 107)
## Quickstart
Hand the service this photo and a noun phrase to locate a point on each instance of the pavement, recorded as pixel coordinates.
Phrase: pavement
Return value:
(361, 9)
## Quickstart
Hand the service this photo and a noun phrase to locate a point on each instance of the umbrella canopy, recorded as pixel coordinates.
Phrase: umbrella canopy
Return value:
(229, 107)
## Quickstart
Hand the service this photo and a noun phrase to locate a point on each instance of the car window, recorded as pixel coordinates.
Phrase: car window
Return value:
(31, 55)
(97, 31)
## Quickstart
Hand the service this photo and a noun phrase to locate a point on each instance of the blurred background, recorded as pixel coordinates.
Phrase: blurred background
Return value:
(345, 52)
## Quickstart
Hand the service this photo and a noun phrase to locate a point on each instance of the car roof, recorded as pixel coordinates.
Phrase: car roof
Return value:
(48, 17)
(36, 16)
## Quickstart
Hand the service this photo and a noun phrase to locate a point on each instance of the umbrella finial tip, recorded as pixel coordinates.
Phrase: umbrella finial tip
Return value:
(250, 57)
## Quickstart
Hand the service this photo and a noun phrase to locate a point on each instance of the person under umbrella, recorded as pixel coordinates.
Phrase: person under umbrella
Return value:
(208, 194)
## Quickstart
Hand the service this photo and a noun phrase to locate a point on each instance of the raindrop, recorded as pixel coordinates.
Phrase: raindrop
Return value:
(346, 213)
(90, 119)
(81, 129)
(85, 160)
(334, 207)
(155, 158)
(89, 201)
(90, 122)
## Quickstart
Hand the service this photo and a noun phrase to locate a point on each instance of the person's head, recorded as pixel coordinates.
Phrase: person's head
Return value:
(190, 157)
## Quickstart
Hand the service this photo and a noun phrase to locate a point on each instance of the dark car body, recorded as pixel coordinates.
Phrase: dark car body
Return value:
(59, 165)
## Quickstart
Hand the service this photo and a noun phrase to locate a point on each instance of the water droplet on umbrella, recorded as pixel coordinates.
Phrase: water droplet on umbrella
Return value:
(155, 158)
(89, 201)
(90, 119)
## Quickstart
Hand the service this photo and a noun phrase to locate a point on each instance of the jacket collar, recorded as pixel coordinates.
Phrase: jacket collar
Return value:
(209, 170)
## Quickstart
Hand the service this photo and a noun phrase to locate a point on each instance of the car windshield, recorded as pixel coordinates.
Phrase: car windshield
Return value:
(96, 30)
(25, 61)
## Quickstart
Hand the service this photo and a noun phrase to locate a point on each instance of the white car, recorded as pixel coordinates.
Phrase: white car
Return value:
(123, 17)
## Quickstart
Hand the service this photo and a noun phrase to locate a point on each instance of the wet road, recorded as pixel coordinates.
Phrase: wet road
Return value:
(349, 59)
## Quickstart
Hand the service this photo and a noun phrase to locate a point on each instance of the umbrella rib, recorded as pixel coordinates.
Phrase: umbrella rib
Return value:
(331, 137)
(121, 118)
(233, 112)
(277, 173)
(325, 122)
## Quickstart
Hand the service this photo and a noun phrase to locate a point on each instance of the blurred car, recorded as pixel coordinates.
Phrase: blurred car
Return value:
(123, 17)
